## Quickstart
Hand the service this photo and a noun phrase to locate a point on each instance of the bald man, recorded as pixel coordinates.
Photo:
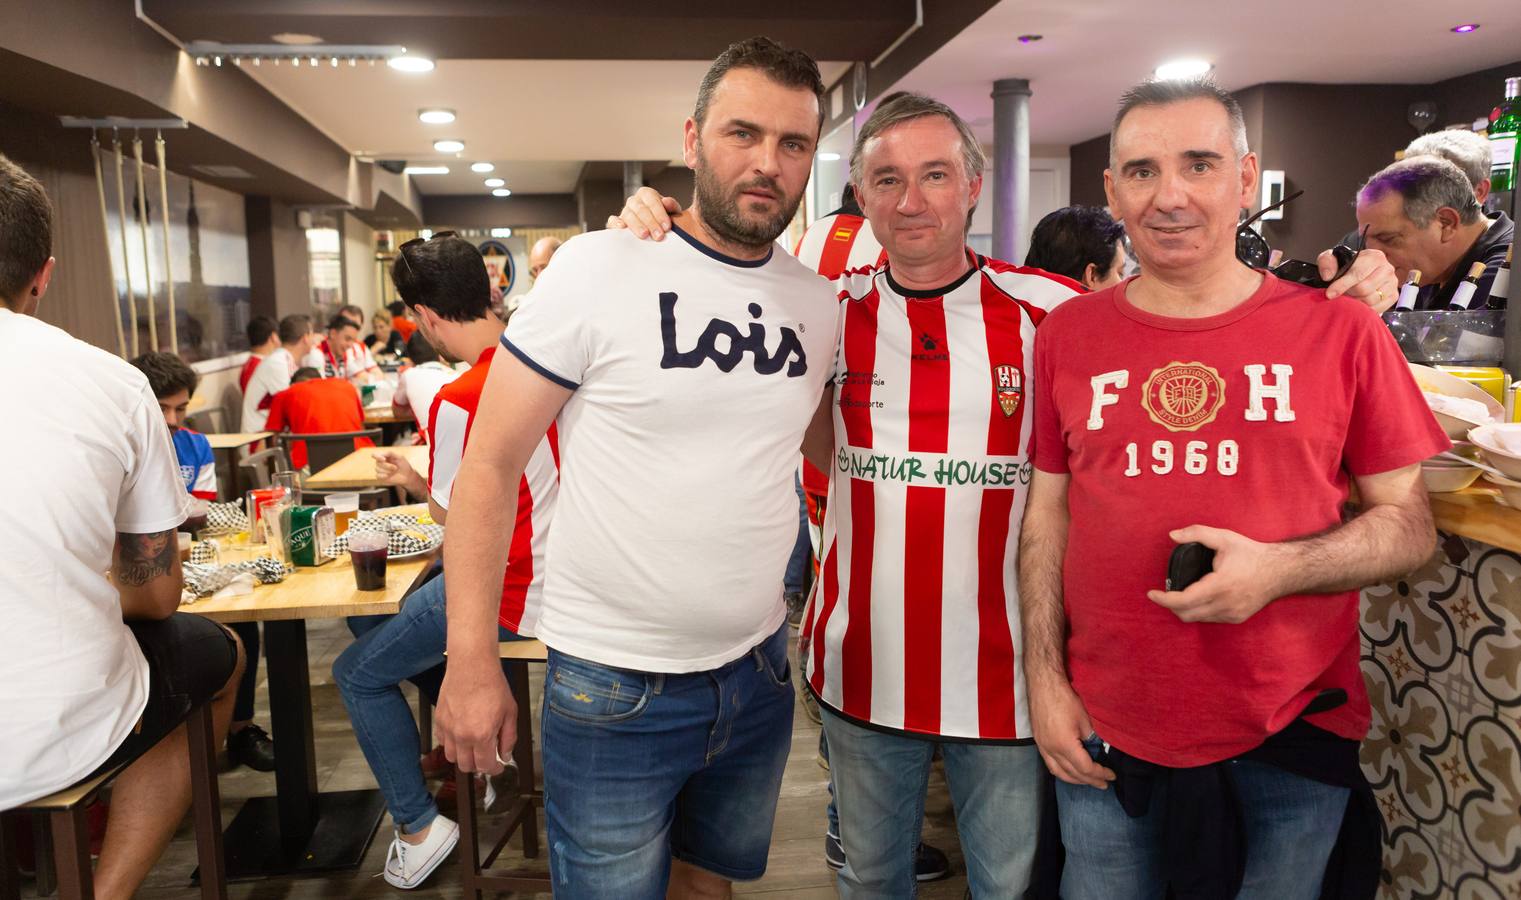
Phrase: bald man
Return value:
(538, 257)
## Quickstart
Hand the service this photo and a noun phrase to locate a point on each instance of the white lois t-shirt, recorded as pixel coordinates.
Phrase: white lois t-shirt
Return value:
(695, 376)
(96, 460)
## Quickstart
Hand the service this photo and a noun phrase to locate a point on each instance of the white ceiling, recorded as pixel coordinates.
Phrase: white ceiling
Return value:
(1094, 49)
(537, 120)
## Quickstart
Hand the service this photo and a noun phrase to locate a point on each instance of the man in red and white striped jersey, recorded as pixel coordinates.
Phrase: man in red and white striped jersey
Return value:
(443, 281)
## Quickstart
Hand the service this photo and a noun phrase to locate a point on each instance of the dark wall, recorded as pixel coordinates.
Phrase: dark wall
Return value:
(1327, 138)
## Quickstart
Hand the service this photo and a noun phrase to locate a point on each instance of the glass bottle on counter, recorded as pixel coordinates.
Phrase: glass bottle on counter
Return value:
(1504, 129)
(1499, 289)
(1463, 296)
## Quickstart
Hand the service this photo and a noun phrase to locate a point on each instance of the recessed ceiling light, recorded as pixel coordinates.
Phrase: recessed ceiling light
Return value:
(425, 170)
(449, 146)
(495, 182)
(481, 167)
(828, 157)
(501, 232)
(1030, 38)
(425, 233)
(435, 116)
(295, 38)
(1182, 68)
(1466, 29)
(501, 192)
(410, 63)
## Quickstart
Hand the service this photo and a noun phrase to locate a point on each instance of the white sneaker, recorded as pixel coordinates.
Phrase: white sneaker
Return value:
(409, 865)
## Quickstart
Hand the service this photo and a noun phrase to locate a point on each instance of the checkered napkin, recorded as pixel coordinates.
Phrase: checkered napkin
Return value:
(227, 517)
(205, 580)
(406, 534)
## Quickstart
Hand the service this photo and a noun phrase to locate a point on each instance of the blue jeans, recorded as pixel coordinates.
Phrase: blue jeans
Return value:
(641, 767)
(795, 579)
(879, 783)
(1291, 825)
(369, 674)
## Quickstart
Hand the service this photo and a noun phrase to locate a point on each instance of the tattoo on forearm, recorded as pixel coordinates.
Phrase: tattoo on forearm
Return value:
(144, 557)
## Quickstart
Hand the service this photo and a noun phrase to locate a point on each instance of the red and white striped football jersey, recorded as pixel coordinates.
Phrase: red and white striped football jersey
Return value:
(450, 421)
(837, 243)
(916, 621)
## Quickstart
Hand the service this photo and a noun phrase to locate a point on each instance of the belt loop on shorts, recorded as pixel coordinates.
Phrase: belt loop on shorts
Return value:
(657, 682)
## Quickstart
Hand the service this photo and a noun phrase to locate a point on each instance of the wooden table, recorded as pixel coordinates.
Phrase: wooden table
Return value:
(1477, 512)
(357, 470)
(302, 830)
(387, 415)
(237, 440)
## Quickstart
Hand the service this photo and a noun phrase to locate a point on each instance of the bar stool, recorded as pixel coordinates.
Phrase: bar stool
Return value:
(522, 813)
(65, 811)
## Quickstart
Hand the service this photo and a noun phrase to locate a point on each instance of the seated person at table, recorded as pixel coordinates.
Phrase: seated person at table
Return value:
(96, 664)
(341, 355)
(402, 322)
(273, 374)
(384, 338)
(418, 384)
(263, 338)
(1084, 243)
(444, 281)
(316, 405)
(173, 382)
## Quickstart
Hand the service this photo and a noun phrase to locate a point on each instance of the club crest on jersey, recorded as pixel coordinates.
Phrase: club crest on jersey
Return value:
(1008, 385)
(1183, 396)
(789, 350)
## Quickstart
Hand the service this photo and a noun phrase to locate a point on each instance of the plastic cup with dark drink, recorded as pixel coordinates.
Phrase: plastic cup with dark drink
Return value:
(368, 550)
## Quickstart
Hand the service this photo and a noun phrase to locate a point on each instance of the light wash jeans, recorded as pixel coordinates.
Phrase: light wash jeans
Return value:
(879, 783)
(1291, 825)
(369, 675)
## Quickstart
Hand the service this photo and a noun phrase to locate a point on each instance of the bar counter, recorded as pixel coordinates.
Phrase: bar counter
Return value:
(1441, 651)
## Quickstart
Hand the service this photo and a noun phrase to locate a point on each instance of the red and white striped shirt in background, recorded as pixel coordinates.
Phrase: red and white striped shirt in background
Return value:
(915, 624)
(450, 421)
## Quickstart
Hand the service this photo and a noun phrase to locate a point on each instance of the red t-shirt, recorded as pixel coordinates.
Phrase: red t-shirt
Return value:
(248, 369)
(1253, 421)
(319, 406)
(405, 326)
(449, 422)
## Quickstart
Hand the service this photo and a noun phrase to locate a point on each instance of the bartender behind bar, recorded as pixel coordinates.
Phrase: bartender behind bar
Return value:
(1422, 213)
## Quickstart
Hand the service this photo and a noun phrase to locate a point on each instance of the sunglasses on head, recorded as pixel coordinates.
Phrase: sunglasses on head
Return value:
(1253, 250)
(401, 251)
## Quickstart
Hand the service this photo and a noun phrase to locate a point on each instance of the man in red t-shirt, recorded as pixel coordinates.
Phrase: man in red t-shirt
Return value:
(316, 405)
(1208, 402)
(444, 282)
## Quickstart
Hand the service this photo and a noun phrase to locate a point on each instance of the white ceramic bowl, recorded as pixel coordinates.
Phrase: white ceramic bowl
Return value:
(1505, 461)
(1445, 479)
(1509, 489)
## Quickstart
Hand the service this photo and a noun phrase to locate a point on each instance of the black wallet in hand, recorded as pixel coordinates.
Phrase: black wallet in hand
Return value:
(1188, 563)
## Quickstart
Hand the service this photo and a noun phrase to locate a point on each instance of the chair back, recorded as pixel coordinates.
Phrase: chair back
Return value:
(322, 450)
(259, 467)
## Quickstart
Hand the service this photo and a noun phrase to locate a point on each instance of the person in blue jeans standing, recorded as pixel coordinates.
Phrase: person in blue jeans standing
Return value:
(443, 281)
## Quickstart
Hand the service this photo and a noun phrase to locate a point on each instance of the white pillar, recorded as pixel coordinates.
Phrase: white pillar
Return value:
(1011, 168)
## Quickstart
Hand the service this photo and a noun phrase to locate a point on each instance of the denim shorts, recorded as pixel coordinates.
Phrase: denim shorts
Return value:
(641, 767)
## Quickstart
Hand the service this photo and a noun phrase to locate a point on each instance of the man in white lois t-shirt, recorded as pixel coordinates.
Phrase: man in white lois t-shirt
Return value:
(682, 376)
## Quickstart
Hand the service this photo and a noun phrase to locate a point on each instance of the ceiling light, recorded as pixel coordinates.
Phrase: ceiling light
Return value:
(425, 170)
(1466, 29)
(501, 192)
(1182, 68)
(495, 182)
(482, 167)
(295, 38)
(449, 146)
(828, 157)
(435, 116)
(410, 63)
(425, 233)
(1030, 38)
(501, 232)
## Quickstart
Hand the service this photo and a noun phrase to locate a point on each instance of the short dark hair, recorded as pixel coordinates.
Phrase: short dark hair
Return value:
(1068, 240)
(259, 329)
(1425, 184)
(294, 328)
(340, 322)
(445, 274)
(1178, 90)
(789, 68)
(26, 229)
(167, 374)
(352, 310)
(420, 349)
(397, 307)
(305, 373)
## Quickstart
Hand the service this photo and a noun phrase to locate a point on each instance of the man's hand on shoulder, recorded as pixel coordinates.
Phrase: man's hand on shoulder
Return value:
(1371, 280)
(646, 214)
(1244, 580)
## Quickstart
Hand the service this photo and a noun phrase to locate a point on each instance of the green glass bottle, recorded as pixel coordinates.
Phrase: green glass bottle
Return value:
(1503, 133)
